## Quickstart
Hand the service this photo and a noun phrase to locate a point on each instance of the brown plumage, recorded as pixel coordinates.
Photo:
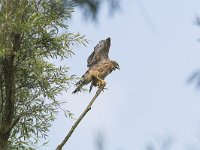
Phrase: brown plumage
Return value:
(100, 52)
(99, 66)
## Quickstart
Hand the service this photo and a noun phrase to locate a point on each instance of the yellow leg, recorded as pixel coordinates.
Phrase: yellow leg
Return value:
(101, 82)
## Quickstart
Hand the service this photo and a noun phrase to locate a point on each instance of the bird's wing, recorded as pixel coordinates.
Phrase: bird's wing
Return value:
(100, 52)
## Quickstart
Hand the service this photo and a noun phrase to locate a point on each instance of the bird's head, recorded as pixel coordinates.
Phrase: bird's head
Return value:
(115, 64)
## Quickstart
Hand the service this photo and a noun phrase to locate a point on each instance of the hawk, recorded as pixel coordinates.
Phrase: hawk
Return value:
(99, 66)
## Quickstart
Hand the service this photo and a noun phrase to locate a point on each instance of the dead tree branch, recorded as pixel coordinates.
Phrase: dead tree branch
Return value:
(59, 147)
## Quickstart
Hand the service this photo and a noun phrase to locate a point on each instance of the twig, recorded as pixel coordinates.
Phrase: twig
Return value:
(59, 147)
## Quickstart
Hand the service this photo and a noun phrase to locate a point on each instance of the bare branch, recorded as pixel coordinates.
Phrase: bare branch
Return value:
(59, 147)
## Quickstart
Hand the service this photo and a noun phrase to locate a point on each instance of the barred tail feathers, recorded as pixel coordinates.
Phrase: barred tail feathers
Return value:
(86, 78)
(79, 85)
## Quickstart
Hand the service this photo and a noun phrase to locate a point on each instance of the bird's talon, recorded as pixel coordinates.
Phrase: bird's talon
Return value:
(101, 83)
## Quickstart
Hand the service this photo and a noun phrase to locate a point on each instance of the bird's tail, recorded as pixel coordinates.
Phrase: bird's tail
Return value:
(79, 85)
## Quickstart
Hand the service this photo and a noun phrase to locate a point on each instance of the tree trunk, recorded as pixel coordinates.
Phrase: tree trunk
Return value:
(7, 97)
(4, 141)
(8, 107)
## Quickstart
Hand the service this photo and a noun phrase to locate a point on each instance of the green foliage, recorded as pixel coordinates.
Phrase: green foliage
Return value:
(30, 31)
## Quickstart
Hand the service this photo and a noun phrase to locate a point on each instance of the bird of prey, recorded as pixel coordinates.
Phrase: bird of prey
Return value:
(99, 66)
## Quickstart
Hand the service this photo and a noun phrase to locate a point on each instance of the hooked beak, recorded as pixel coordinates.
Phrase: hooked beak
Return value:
(117, 67)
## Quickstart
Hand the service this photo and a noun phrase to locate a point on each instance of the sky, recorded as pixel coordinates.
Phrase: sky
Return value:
(148, 101)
